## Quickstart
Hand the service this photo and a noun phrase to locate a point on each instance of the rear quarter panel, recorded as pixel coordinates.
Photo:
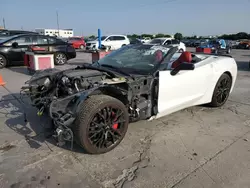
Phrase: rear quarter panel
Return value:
(220, 66)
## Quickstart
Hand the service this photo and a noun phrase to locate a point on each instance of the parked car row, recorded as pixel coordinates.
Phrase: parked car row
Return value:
(244, 44)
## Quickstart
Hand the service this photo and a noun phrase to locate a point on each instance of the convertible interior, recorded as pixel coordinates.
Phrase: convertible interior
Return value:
(186, 57)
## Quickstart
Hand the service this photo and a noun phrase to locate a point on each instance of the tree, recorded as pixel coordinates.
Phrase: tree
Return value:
(147, 35)
(159, 35)
(168, 36)
(92, 36)
(178, 36)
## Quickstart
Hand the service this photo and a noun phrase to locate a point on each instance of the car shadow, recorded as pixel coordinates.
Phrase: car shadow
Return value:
(243, 65)
(22, 70)
(22, 118)
(77, 63)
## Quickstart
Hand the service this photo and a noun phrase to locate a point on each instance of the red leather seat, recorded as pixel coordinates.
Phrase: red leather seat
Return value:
(184, 57)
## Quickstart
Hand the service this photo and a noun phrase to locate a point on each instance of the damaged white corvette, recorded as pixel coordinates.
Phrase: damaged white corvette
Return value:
(93, 104)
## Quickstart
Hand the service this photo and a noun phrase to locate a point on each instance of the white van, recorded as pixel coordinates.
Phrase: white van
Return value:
(111, 42)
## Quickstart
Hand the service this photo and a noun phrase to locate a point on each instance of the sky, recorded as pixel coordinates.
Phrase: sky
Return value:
(189, 17)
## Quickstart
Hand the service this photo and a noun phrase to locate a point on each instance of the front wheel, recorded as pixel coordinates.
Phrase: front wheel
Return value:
(101, 124)
(221, 91)
(82, 47)
(60, 59)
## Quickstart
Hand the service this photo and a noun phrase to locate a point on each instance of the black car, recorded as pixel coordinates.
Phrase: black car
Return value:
(12, 49)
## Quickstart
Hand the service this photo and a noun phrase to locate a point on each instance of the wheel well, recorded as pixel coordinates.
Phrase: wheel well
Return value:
(229, 74)
(113, 92)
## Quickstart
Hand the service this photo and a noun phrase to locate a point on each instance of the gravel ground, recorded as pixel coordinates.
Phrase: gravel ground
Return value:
(196, 147)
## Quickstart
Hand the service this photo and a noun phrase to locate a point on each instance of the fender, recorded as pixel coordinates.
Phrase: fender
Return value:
(84, 95)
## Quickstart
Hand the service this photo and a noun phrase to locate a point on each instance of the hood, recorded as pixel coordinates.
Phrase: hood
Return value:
(85, 71)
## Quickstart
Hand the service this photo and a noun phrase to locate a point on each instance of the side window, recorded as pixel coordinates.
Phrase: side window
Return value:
(40, 40)
(168, 42)
(175, 42)
(52, 40)
(24, 40)
(119, 38)
(111, 38)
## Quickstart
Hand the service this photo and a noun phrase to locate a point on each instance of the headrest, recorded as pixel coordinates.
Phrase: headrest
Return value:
(185, 57)
(158, 55)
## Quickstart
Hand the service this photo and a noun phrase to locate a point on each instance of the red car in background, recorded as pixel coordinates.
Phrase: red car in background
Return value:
(77, 42)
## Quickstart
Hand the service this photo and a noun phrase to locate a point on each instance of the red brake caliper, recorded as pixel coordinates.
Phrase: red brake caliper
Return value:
(115, 125)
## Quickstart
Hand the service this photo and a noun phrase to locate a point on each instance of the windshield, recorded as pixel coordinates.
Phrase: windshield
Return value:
(5, 39)
(156, 41)
(135, 59)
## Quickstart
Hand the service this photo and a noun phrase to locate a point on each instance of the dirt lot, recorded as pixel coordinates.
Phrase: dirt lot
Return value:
(194, 148)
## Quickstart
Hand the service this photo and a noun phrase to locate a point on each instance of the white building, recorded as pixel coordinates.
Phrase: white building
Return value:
(64, 33)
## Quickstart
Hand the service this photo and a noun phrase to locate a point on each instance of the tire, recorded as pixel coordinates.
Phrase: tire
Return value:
(218, 90)
(228, 51)
(60, 58)
(81, 47)
(89, 113)
(3, 61)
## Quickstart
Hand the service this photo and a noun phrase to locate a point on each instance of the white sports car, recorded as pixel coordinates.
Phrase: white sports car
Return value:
(94, 103)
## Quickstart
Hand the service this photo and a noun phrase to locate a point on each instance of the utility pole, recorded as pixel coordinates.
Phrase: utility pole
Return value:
(4, 23)
(57, 19)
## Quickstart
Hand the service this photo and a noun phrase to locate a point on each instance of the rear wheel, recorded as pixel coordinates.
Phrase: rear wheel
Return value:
(3, 61)
(221, 91)
(101, 124)
(60, 58)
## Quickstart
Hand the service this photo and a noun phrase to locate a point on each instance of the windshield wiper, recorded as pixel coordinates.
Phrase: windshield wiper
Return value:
(116, 69)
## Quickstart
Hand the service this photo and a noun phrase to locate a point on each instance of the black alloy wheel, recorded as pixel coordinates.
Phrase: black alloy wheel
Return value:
(221, 91)
(101, 124)
(107, 127)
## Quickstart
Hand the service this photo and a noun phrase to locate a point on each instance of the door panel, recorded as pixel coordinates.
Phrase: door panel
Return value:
(110, 42)
(17, 54)
(184, 89)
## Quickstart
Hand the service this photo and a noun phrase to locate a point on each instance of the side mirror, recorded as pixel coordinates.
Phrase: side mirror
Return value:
(182, 66)
(14, 45)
